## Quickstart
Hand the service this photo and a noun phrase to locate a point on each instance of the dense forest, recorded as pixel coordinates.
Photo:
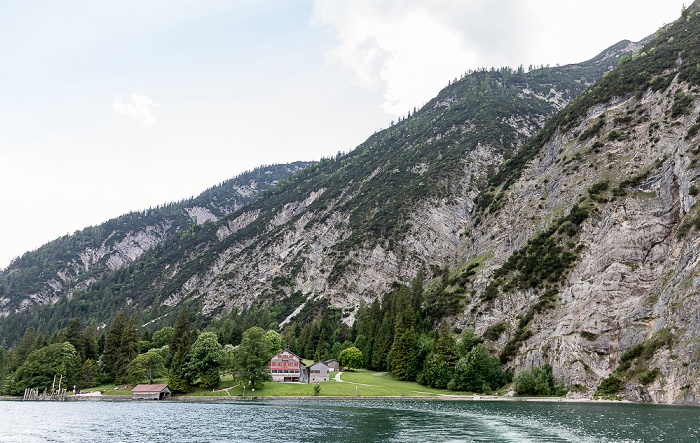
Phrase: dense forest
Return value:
(394, 335)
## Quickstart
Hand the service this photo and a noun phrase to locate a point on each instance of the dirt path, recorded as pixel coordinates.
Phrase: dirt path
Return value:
(337, 378)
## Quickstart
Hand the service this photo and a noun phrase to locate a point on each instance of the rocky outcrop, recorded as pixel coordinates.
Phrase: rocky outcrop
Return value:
(123, 241)
(635, 277)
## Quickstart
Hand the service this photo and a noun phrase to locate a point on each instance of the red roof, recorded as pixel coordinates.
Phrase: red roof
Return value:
(287, 351)
(149, 388)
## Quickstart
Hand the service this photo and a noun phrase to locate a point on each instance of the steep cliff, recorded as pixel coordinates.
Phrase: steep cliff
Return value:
(589, 251)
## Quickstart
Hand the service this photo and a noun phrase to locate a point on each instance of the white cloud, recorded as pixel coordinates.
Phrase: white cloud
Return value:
(403, 48)
(408, 49)
(139, 106)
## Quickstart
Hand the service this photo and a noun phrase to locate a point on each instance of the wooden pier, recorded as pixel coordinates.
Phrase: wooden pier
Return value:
(59, 394)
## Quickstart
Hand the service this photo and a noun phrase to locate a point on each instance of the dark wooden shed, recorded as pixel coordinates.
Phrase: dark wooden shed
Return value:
(151, 392)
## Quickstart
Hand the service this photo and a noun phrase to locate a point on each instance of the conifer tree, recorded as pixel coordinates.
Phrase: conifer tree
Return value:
(73, 337)
(88, 374)
(121, 346)
(405, 338)
(88, 343)
(179, 347)
(129, 348)
(113, 344)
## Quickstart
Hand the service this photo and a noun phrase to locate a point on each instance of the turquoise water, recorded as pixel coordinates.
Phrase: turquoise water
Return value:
(346, 421)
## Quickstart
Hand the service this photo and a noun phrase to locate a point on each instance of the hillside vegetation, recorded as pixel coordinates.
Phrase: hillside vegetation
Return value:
(548, 217)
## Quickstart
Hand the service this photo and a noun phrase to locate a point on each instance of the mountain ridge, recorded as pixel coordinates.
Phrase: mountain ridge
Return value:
(544, 220)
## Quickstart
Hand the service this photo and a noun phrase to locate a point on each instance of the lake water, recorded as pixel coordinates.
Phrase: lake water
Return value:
(346, 421)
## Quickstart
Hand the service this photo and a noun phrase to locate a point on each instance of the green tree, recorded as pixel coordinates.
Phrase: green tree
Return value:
(403, 354)
(405, 338)
(40, 367)
(73, 335)
(275, 340)
(113, 342)
(251, 356)
(162, 337)
(439, 365)
(436, 371)
(179, 347)
(351, 357)
(534, 381)
(26, 345)
(88, 374)
(466, 342)
(88, 343)
(360, 342)
(129, 348)
(121, 346)
(205, 360)
(477, 371)
(148, 366)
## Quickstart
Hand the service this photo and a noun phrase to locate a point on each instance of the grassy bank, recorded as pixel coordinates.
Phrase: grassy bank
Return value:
(358, 382)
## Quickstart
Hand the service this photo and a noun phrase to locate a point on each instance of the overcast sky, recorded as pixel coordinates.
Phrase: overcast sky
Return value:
(113, 106)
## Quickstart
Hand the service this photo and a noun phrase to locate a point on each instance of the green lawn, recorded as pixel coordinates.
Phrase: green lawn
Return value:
(386, 382)
(360, 382)
(382, 384)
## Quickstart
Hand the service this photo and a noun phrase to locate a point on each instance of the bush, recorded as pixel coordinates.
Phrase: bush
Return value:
(610, 386)
(534, 381)
(494, 331)
(477, 372)
(588, 335)
(649, 376)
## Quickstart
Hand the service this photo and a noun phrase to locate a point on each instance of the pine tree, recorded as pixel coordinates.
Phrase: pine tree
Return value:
(113, 344)
(88, 374)
(129, 348)
(73, 337)
(121, 346)
(403, 354)
(405, 338)
(88, 343)
(179, 347)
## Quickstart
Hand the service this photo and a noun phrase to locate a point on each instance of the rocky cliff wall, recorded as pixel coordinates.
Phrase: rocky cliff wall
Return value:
(634, 282)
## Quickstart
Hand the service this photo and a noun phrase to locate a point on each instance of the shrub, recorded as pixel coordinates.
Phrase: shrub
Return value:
(588, 335)
(534, 381)
(494, 331)
(610, 386)
(649, 376)
(681, 104)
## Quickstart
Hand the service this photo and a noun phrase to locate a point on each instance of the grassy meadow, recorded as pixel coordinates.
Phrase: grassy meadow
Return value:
(360, 382)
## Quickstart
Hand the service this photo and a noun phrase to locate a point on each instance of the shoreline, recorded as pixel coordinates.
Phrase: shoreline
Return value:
(465, 398)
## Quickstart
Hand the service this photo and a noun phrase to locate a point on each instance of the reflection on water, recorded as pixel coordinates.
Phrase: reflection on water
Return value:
(347, 421)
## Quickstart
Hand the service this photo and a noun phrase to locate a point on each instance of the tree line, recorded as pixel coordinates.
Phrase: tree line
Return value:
(395, 334)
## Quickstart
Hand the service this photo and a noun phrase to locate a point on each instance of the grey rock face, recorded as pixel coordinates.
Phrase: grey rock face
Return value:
(635, 278)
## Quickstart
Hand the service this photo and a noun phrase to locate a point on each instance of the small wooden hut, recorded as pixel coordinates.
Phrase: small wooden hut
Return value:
(333, 364)
(151, 392)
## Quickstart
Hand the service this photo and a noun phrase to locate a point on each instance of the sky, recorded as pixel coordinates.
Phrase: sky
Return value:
(113, 106)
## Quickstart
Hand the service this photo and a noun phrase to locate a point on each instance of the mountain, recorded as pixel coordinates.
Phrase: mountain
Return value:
(345, 228)
(552, 210)
(587, 240)
(73, 262)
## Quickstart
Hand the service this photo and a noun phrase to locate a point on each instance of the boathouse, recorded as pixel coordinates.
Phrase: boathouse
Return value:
(151, 392)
